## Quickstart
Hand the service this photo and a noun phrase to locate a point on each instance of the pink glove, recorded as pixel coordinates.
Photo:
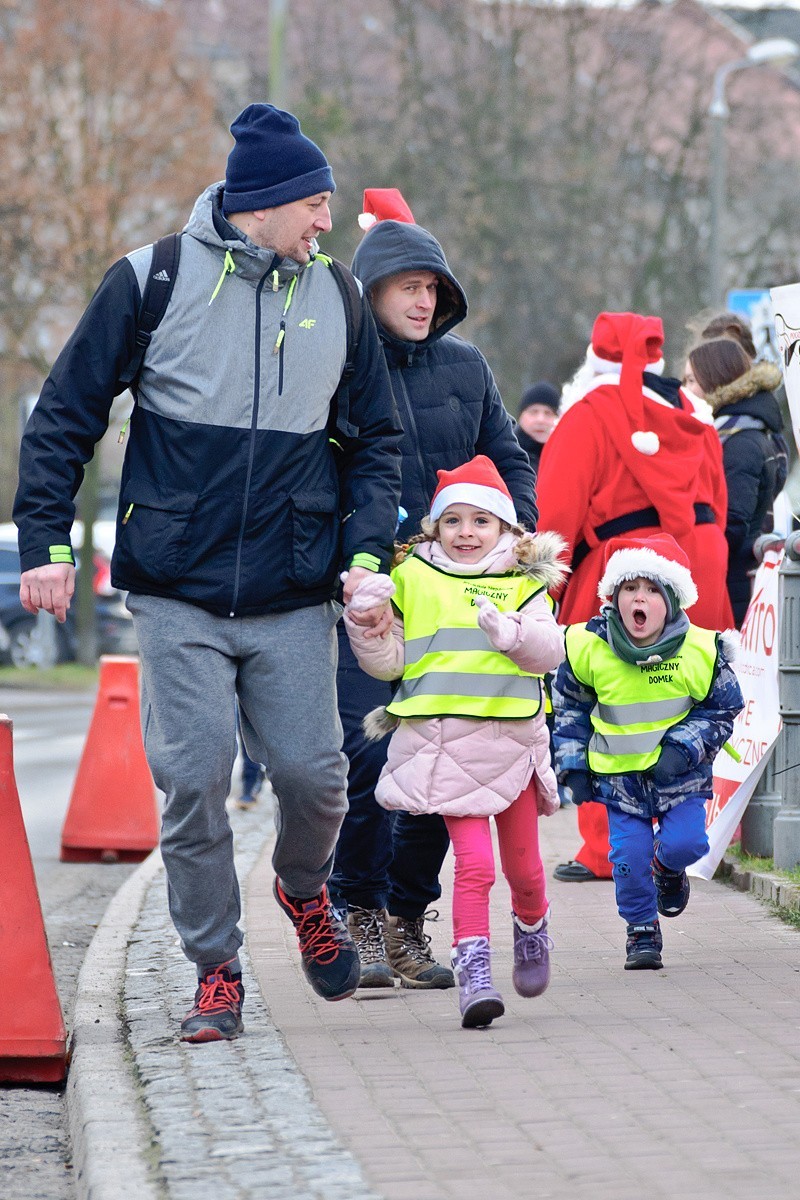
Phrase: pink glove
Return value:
(502, 629)
(372, 592)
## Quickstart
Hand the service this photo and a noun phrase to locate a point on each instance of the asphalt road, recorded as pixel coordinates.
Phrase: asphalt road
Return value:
(49, 731)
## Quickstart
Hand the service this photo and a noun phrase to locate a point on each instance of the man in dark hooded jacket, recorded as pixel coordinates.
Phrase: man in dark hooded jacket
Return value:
(386, 869)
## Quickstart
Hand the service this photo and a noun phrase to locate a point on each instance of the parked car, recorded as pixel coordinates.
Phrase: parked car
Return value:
(114, 624)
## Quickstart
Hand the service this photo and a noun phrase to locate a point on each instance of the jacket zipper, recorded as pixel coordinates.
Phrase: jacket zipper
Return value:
(413, 424)
(252, 451)
(279, 348)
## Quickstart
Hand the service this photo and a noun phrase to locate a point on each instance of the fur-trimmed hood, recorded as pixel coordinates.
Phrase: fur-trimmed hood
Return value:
(762, 377)
(540, 556)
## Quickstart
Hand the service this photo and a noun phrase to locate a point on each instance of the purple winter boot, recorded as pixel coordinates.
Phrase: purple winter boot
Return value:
(478, 1000)
(531, 973)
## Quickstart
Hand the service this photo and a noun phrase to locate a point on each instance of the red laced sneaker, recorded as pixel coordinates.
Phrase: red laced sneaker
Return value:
(217, 1012)
(330, 959)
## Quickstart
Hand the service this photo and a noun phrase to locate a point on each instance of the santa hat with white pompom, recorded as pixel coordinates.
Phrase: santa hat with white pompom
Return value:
(630, 344)
(384, 204)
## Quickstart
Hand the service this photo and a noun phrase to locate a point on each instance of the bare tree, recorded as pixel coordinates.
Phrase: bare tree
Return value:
(560, 152)
(107, 133)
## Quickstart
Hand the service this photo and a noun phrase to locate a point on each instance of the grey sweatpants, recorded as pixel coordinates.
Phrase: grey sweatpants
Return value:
(282, 667)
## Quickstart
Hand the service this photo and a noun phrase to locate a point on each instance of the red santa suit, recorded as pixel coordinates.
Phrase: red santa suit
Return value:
(624, 460)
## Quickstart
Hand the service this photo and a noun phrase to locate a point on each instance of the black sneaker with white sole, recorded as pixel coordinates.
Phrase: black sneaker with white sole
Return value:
(672, 889)
(643, 947)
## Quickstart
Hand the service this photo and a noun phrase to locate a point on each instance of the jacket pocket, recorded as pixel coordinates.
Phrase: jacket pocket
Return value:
(152, 540)
(315, 537)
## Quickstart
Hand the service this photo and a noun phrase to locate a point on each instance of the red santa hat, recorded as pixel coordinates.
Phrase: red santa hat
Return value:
(478, 483)
(630, 344)
(384, 204)
(658, 558)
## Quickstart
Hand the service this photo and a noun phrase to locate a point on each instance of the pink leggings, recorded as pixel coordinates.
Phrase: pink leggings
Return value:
(518, 835)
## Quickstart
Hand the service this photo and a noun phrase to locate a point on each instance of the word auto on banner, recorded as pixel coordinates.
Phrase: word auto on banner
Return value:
(758, 724)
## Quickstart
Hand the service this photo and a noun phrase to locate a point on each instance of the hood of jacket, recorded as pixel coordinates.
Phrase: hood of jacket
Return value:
(394, 246)
(540, 556)
(759, 382)
(207, 224)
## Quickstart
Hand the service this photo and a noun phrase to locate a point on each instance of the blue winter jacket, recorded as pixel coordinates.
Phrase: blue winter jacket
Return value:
(699, 737)
(247, 484)
(448, 402)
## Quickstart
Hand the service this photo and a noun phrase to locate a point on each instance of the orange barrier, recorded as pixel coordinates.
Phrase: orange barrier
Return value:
(33, 1040)
(112, 814)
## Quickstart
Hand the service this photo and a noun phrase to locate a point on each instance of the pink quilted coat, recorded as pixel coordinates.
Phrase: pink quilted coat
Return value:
(459, 766)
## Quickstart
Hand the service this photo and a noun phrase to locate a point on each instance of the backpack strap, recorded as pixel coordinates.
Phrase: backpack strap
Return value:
(352, 300)
(157, 292)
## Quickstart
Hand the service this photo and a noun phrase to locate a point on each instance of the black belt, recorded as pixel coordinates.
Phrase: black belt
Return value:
(643, 518)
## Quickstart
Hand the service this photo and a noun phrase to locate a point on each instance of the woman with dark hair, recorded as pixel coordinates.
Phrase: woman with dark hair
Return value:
(749, 423)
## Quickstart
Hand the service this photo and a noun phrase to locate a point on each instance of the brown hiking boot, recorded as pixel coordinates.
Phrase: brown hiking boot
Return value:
(408, 949)
(365, 926)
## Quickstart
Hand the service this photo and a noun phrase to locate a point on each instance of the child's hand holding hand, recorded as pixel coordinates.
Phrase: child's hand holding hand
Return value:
(369, 604)
(501, 629)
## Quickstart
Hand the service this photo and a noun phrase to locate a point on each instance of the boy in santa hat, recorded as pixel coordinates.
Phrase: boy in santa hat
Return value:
(644, 701)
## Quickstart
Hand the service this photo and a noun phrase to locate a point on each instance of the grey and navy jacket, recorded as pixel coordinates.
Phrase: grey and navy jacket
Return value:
(446, 395)
(699, 737)
(246, 483)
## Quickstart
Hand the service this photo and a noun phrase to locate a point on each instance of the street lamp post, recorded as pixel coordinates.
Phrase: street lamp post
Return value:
(775, 52)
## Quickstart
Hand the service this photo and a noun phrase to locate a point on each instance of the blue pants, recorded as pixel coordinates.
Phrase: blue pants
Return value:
(382, 859)
(680, 840)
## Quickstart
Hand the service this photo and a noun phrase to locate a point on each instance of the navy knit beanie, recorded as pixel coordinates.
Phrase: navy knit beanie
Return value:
(272, 162)
(541, 393)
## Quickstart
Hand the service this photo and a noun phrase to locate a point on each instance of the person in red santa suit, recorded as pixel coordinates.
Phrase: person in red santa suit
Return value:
(632, 454)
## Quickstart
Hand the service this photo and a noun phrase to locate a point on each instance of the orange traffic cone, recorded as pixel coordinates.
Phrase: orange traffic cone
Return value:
(33, 1040)
(112, 814)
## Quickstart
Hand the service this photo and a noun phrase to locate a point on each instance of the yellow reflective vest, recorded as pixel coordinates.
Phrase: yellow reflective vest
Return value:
(451, 668)
(638, 703)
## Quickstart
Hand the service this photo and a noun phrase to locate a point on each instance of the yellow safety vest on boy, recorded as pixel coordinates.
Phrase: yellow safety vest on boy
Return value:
(451, 668)
(638, 703)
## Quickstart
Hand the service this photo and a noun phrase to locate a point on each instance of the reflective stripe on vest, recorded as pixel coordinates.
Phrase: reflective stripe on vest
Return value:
(451, 668)
(637, 704)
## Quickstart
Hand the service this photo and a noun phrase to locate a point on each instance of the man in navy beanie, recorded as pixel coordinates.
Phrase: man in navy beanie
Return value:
(537, 418)
(245, 454)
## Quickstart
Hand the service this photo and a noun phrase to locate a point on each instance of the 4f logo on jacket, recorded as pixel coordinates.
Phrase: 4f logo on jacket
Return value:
(309, 323)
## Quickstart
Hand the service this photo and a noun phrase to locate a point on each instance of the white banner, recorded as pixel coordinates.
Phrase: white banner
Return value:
(786, 307)
(757, 725)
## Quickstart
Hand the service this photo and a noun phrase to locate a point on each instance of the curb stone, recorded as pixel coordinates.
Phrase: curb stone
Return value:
(153, 1117)
(110, 1134)
(775, 889)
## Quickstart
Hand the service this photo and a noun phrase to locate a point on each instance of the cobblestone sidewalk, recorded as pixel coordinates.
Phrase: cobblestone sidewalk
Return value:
(611, 1086)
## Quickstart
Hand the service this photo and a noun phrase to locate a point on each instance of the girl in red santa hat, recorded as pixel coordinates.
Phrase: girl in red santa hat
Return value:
(632, 455)
(473, 634)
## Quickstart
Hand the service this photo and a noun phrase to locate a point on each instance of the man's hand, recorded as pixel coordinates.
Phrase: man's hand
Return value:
(50, 587)
(377, 618)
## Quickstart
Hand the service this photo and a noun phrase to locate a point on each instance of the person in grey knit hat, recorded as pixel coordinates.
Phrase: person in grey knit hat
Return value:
(244, 454)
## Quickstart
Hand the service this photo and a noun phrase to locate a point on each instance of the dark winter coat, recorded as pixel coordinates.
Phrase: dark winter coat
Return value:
(532, 448)
(749, 423)
(699, 737)
(233, 492)
(446, 395)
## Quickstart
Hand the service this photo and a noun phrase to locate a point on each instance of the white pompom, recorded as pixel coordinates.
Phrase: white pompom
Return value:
(367, 220)
(645, 441)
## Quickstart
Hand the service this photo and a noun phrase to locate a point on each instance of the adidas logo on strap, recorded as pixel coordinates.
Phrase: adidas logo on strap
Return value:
(162, 277)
